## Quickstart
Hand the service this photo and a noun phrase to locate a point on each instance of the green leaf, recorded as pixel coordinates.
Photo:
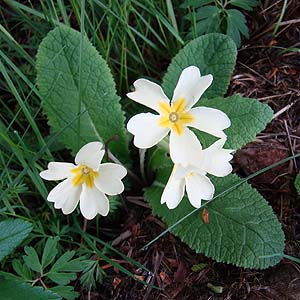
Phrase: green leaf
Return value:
(32, 260)
(236, 25)
(195, 3)
(208, 20)
(50, 251)
(66, 292)
(245, 4)
(63, 90)
(297, 183)
(248, 118)
(159, 158)
(64, 269)
(12, 233)
(22, 270)
(63, 261)
(214, 54)
(16, 290)
(215, 288)
(91, 274)
(206, 11)
(242, 228)
(66, 263)
(199, 267)
(61, 278)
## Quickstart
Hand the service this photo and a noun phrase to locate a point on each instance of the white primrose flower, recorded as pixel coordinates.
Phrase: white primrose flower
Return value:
(215, 161)
(176, 115)
(88, 181)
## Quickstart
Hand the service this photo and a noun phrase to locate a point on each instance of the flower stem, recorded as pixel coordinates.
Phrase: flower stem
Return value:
(130, 173)
(84, 226)
(142, 153)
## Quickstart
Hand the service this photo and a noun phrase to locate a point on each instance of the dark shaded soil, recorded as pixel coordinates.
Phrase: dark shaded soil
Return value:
(265, 70)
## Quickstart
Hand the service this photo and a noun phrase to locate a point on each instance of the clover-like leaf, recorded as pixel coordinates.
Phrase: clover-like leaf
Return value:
(32, 260)
(50, 251)
(79, 92)
(236, 25)
(64, 269)
(22, 269)
(66, 291)
(208, 19)
(245, 4)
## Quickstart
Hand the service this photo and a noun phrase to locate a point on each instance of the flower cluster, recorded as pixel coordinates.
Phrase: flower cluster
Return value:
(89, 181)
(191, 162)
(86, 182)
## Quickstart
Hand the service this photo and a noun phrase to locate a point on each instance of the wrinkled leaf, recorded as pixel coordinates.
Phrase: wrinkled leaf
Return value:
(12, 233)
(214, 54)
(65, 89)
(248, 117)
(242, 228)
(16, 290)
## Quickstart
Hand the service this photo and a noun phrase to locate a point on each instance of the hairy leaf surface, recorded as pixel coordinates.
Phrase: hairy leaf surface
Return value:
(82, 100)
(213, 54)
(242, 228)
(12, 233)
(15, 290)
(248, 117)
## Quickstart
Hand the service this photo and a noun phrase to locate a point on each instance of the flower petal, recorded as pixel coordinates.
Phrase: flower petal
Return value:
(210, 120)
(173, 192)
(90, 155)
(146, 130)
(57, 171)
(65, 196)
(185, 149)
(148, 93)
(199, 187)
(181, 172)
(109, 179)
(92, 202)
(216, 159)
(191, 85)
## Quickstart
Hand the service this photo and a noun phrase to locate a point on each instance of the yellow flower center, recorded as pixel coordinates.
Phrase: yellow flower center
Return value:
(84, 174)
(174, 116)
(191, 174)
